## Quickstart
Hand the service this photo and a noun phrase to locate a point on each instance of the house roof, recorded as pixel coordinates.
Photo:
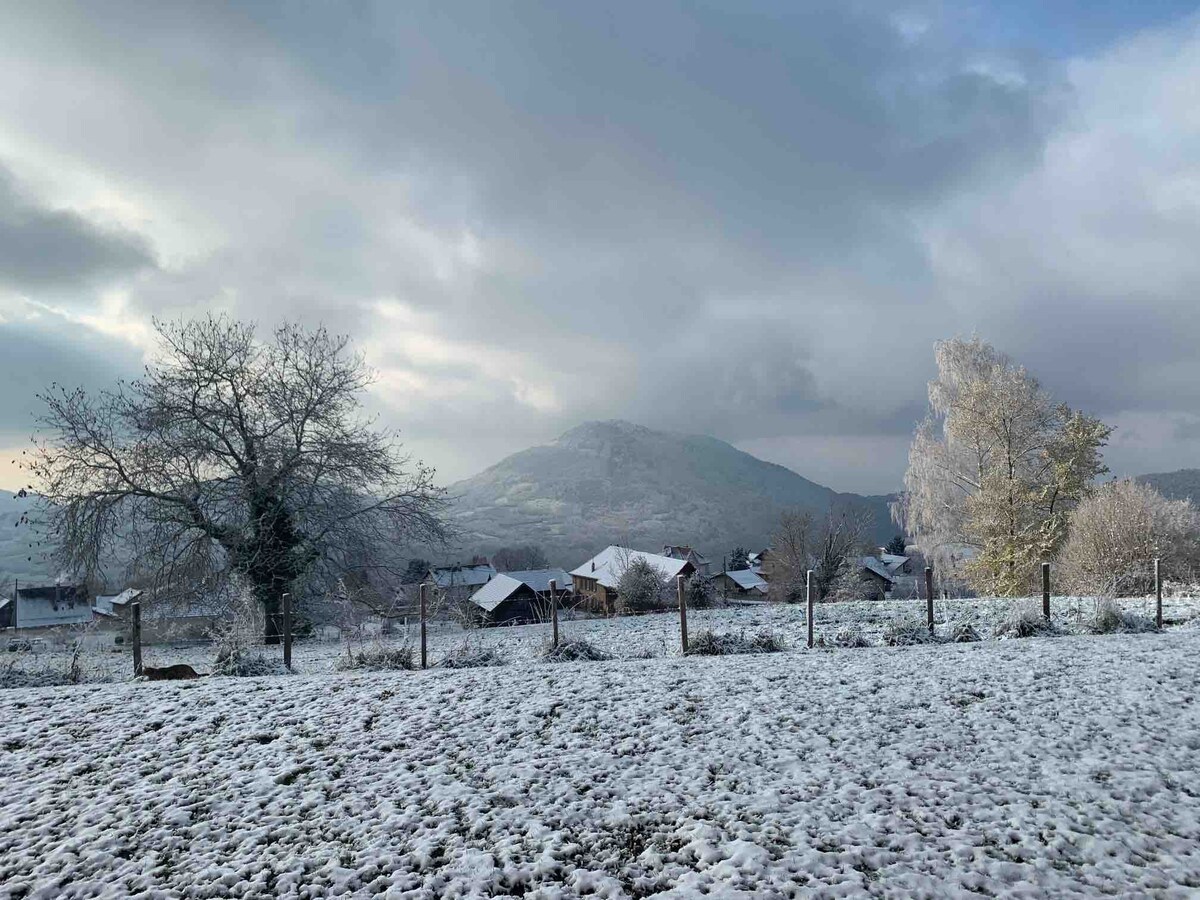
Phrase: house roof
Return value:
(462, 576)
(609, 565)
(874, 566)
(746, 579)
(683, 551)
(892, 561)
(506, 584)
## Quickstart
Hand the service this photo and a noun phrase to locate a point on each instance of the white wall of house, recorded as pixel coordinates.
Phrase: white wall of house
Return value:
(40, 612)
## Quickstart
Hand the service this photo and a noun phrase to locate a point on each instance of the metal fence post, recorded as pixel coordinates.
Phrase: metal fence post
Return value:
(683, 636)
(135, 613)
(808, 595)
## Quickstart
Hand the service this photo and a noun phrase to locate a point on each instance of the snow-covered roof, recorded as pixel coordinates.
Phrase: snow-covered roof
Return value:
(609, 565)
(892, 561)
(462, 576)
(746, 579)
(506, 584)
(106, 602)
(871, 564)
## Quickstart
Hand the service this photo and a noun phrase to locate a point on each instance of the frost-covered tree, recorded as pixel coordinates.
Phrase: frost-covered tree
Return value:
(642, 587)
(1117, 532)
(237, 460)
(700, 592)
(996, 466)
(828, 547)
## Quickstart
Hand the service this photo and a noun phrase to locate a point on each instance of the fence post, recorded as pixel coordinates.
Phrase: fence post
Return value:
(1157, 593)
(808, 600)
(929, 597)
(553, 613)
(679, 588)
(287, 632)
(1046, 590)
(135, 612)
(424, 655)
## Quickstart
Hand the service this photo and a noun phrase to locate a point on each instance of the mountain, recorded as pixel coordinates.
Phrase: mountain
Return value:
(613, 482)
(1181, 485)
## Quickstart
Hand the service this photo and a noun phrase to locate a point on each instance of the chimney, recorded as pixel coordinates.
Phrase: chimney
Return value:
(593, 565)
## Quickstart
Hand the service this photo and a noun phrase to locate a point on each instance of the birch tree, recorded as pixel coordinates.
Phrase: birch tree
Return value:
(995, 468)
(233, 461)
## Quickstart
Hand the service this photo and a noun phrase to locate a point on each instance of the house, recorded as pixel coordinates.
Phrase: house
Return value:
(116, 604)
(595, 582)
(458, 582)
(745, 583)
(517, 598)
(39, 607)
(896, 565)
(764, 563)
(878, 580)
(683, 551)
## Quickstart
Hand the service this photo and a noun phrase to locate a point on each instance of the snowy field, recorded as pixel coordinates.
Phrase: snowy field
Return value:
(1039, 767)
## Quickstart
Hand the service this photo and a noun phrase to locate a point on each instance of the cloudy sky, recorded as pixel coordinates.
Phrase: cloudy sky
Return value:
(744, 219)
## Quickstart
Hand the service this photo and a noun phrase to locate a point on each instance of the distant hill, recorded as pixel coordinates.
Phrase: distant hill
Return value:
(614, 482)
(1181, 485)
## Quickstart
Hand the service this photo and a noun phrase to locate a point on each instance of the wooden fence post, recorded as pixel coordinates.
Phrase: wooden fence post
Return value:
(679, 589)
(1046, 590)
(287, 632)
(553, 613)
(808, 595)
(929, 597)
(1157, 593)
(135, 613)
(424, 654)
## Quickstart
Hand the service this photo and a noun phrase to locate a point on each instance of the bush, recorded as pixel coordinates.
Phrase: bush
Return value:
(249, 665)
(1025, 621)
(907, 633)
(574, 651)
(472, 658)
(849, 637)
(1109, 619)
(963, 633)
(710, 643)
(377, 657)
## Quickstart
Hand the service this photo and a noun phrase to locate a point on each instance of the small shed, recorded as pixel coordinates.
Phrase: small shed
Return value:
(517, 598)
(740, 583)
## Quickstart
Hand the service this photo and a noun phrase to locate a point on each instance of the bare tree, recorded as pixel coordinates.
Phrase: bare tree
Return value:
(519, 559)
(233, 464)
(828, 547)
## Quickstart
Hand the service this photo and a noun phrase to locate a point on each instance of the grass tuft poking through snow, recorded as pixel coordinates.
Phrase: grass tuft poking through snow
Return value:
(711, 643)
(963, 633)
(907, 633)
(575, 651)
(1023, 621)
(473, 658)
(846, 638)
(377, 658)
(1110, 619)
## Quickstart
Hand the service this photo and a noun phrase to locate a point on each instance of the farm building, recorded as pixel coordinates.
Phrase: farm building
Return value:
(459, 582)
(596, 581)
(744, 583)
(41, 607)
(515, 598)
(695, 557)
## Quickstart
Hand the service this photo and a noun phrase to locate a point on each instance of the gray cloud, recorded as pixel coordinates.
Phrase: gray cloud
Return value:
(48, 249)
(751, 220)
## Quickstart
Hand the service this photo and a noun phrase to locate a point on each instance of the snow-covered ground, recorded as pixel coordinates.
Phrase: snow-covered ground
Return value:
(1040, 767)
